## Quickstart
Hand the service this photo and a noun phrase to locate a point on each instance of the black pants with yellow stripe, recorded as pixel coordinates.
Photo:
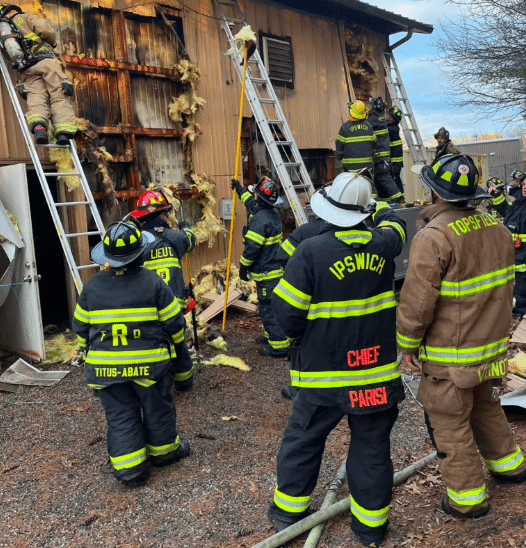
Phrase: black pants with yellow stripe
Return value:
(369, 465)
(396, 169)
(275, 335)
(142, 427)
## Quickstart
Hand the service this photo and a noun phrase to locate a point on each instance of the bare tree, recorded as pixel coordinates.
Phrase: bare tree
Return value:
(484, 56)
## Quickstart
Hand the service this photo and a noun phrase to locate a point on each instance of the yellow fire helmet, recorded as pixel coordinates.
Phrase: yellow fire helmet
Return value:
(357, 110)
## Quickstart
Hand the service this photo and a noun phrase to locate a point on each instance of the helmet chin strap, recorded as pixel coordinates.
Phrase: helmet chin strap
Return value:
(348, 207)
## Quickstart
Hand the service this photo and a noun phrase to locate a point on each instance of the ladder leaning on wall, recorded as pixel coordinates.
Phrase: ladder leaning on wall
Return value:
(398, 94)
(65, 238)
(284, 153)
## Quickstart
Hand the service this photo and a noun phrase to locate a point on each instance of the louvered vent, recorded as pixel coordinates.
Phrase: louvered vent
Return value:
(277, 54)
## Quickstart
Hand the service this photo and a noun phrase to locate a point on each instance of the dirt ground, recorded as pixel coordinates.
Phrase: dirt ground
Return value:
(53, 493)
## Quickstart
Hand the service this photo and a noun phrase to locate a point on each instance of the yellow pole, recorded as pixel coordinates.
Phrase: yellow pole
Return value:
(236, 172)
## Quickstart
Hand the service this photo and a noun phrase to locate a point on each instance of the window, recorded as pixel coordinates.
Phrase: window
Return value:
(277, 56)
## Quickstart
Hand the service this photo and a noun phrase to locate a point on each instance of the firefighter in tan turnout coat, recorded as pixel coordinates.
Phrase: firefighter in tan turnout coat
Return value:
(43, 82)
(454, 314)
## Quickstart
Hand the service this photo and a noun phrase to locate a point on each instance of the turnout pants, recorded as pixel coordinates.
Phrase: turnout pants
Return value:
(462, 420)
(369, 465)
(384, 182)
(183, 368)
(276, 338)
(396, 169)
(45, 84)
(520, 290)
(142, 427)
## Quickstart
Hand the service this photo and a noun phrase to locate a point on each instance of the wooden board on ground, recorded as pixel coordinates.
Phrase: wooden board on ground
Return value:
(238, 303)
(514, 382)
(519, 335)
(217, 306)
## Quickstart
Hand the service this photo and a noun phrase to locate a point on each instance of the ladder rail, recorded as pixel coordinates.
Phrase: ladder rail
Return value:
(43, 180)
(399, 96)
(276, 149)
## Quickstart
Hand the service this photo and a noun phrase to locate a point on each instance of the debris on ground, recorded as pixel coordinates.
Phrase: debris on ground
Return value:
(231, 361)
(61, 349)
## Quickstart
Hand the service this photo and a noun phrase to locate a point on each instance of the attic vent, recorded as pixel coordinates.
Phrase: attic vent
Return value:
(277, 55)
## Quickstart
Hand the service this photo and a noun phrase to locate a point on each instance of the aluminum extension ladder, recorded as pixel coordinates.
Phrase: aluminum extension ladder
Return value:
(43, 178)
(398, 94)
(285, 155)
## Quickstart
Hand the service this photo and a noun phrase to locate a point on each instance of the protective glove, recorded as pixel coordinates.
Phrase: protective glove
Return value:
(243, 272)
(235, 184)
(183, 224)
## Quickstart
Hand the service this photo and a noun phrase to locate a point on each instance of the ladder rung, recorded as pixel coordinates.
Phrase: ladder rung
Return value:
(284, 143)
(59, 174)
(270, 101)
(258, 80)
(84, 266)
(52, 146)
(275, 122)
(291, 164)
(301, 186)
(65, 204)
(75, 234)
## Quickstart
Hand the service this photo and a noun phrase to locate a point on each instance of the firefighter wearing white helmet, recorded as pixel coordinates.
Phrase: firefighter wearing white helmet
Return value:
(454, 315)
(336, 302)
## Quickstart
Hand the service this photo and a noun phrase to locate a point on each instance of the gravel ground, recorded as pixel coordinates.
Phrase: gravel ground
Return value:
(53, 493)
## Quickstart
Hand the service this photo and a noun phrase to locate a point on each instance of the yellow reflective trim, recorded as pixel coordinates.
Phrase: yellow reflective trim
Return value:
(371, 518)
(470, 497)
(471, 286)
(366, 160)
(130, 460)
(81, 315)
(291, 295)
(170, 311)
(120, 243)
(508, 463)
(357, 307)
(107, 240)
(290, 504)
(133, 239)
(463, 356)
(158, 450)
(396, 227)
(407, 342)
(122, 315)
(288, 247)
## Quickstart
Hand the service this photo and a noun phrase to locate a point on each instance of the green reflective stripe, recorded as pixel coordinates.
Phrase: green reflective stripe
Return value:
(179, 336)
(397, 227)
(354, 236)
(130, 460)
(382, 154)
(171, 262)
(81, 315)
(342, 379)
(96, 386)
(279, 345)
(396, 143)
(293, 296)
(288, 247)
(246, 262)
(122, 315)
(471, 286)
(274, 239)
(498, 200)
(33, 118)
(521, 236)
(170, 311)
(158, 450)
(379, 206)
(371, 518)
(468, 498)
(183, 303)
(124, 357)
(396, 160)
(69, 128)
(30, 35)
(146, 383)
(381, 131)
(245, 195)
(366, 160)
(362, 138)
(397, 195)
(184, 375)
(291, 504)
(82, 341)
(261, 276)
(251, 235)
(407, 342)
(506, 464)
(463, 356)
(345, 309)
(520, 268)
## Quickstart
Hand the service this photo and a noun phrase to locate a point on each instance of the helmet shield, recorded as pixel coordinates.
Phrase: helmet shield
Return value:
(454, 177)
(123, 242)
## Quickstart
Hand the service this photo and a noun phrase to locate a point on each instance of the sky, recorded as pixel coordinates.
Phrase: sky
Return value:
(425, 84)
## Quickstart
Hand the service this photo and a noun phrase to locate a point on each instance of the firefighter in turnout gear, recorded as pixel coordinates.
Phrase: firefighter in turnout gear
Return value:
(454, 313)
(164, 256)
(356, 141)
(445, 145)
(262, 240)
(394, 117)
(130, 327)
(514, 214)
(336, 301)
(383, 181)
(43, 82)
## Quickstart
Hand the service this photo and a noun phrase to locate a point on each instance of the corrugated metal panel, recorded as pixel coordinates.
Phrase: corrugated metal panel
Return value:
(151, 99)
(161, 161)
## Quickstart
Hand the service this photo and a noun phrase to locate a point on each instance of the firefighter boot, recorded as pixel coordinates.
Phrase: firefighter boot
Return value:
(281, 522)
(180, 453)
(63, 138)
(477, 513)
(261, 339)
(517, 478)
(267, 350)
(40, 133)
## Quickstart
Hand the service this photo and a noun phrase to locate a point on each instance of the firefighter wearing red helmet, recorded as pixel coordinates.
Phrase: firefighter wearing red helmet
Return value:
(164, 256)
(262, 238)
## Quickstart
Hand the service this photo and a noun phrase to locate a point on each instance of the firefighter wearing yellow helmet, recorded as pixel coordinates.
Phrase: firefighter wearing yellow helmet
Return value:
(43, 82)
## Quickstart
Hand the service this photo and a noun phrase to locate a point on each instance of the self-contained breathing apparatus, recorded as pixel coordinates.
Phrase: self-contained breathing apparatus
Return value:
(14, 44)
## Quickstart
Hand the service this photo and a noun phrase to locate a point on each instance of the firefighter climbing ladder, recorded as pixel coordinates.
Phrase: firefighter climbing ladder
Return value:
(260, 93)
(43, 178)
(398, 94)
